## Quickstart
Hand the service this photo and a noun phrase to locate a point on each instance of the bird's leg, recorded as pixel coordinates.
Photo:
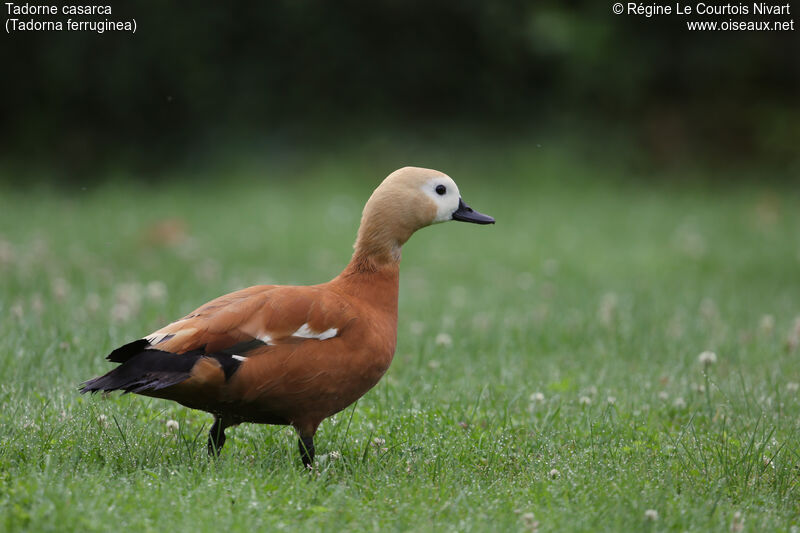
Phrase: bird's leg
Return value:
(306, 430)
(306, 445)
(216, 437)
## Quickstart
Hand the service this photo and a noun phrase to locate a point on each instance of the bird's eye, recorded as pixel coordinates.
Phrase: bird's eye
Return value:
(440, 190)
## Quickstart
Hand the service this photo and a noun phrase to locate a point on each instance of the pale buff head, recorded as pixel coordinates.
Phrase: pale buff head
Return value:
(407, 200)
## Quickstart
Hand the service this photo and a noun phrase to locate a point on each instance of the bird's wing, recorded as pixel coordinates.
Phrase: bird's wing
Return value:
(242, 321)
(222, 334)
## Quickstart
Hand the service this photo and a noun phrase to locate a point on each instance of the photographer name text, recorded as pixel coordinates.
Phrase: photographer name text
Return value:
(700, 8)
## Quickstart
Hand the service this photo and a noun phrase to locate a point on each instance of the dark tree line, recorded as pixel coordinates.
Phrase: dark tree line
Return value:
(199, 71)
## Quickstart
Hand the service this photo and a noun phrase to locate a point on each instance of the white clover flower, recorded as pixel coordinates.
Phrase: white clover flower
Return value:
(208, 270)
(554, 473)
(737, 524)
(792, 386)
(663, 395)
(156, 290)
(121, 313)
(793, 339)
(377, 441)
(767, 324)
(530, 522)
(7, 255)
(335, 455)
(689, 241)
(172, 426)
(585, 400)
(93, 302)
(679, 403)
(537, 397)
(129, 294)
(444, 339)
(707, 358)
(37, 303)
(608, 308)
(651, 515)
(611, 400)
(60, 288)
(102, 420)
(796, 326)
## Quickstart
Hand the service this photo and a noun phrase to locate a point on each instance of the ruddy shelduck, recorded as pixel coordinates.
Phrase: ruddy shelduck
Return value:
(275, 354)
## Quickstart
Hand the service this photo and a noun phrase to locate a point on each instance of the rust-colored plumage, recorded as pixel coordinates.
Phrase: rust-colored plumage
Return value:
(294, 355)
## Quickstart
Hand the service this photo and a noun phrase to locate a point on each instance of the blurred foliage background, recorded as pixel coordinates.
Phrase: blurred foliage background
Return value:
(206, 78)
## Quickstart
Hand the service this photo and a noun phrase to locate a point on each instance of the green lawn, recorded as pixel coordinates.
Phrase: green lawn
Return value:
(546, 372)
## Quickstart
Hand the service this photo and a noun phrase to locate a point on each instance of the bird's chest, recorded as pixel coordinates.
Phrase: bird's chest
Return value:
(369, 354)
(349, 374)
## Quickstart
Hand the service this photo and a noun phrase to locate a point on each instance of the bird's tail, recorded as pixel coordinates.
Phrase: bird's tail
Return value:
(144, 370)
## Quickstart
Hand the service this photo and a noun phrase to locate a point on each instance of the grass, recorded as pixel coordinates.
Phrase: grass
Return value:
(594, 291)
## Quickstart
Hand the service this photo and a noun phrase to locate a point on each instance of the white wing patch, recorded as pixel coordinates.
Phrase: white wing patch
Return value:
(306, 332)
(155, 338)
(238, 357)
(328, 334)
(266, 339)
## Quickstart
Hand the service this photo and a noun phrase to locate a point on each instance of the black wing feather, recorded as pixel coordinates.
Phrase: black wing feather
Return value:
(150, 369)
(123, 353)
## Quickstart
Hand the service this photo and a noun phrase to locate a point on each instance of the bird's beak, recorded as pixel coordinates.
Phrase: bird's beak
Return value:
(465, 213)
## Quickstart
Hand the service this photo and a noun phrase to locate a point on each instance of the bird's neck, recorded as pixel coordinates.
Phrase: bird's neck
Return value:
(385, 227)
(373, 278)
